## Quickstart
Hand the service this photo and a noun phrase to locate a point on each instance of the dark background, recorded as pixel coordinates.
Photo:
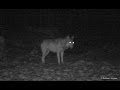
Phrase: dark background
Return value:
(91, 27)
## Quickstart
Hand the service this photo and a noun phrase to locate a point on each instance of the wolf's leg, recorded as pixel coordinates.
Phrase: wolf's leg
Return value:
(43, 58)
(44, 55)
(58, 57)
(61, 54)
(43, 49)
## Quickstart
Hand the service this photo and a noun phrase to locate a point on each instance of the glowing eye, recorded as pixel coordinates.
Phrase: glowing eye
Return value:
(69, 42)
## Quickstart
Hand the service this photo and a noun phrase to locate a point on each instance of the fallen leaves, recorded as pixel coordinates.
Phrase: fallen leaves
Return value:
(28, 69)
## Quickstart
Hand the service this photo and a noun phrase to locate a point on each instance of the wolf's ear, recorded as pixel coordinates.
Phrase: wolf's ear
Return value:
(72, 37)
(67, 37)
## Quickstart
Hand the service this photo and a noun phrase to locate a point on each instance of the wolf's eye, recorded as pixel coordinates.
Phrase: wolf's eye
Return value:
(69, 42)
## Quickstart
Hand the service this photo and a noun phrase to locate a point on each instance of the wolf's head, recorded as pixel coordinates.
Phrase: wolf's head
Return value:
(69, 42)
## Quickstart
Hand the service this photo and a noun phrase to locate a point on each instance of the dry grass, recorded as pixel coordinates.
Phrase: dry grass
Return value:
(75, 68)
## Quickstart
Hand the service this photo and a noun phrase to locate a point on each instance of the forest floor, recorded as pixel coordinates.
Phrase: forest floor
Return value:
(89, 66)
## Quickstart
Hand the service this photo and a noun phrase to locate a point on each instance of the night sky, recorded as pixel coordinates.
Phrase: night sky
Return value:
(84, 24)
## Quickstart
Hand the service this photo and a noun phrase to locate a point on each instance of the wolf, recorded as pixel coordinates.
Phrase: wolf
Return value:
(57, 46)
